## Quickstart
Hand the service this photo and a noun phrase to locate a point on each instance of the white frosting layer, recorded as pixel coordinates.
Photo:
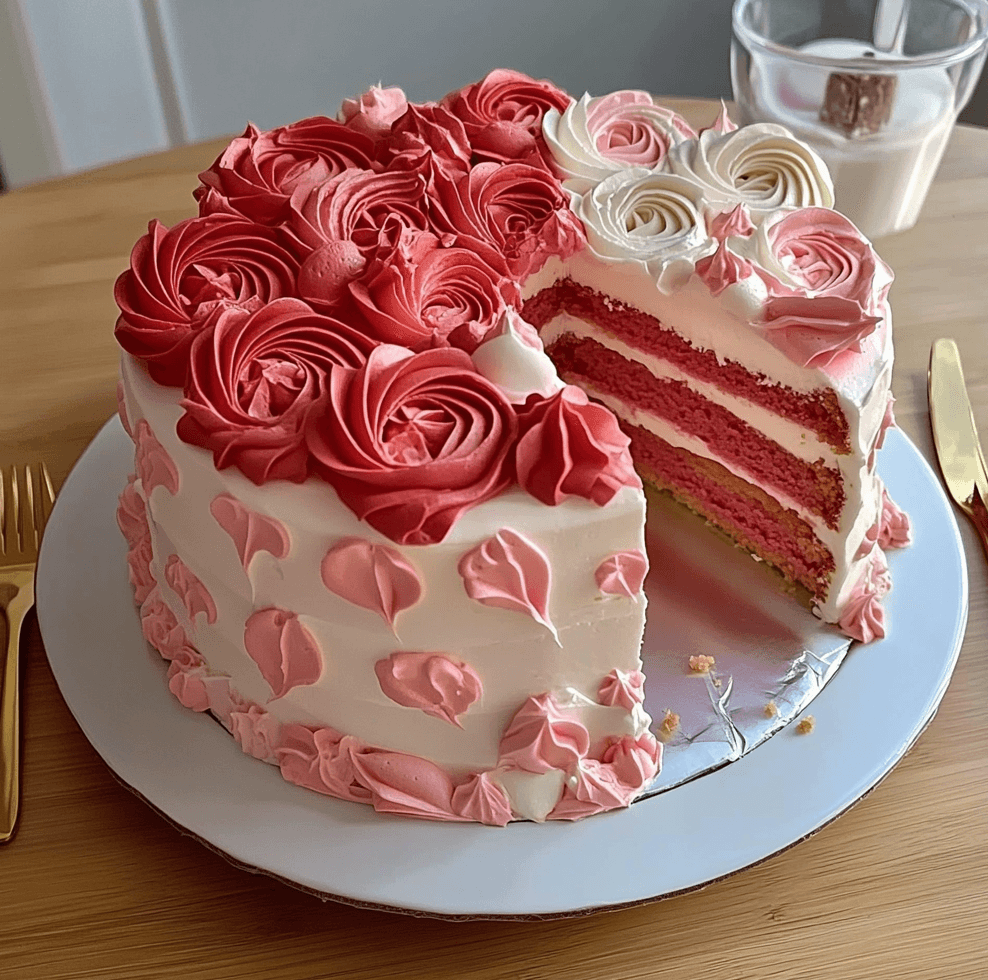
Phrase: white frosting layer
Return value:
(722, 324)
(514, 656)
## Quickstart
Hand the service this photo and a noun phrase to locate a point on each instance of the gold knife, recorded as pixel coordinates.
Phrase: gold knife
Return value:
(956, 436)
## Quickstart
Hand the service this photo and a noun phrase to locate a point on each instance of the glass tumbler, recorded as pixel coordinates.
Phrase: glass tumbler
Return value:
(874, 86)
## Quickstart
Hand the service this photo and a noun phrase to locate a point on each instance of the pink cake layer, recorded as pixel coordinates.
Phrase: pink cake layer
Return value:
(746, 513)
(817, 411)
(815, 486)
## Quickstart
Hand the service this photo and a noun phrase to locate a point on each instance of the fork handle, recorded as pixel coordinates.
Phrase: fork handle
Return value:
(10, 722)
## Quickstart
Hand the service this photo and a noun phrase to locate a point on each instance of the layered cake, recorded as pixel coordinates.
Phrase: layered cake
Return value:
(376, 525)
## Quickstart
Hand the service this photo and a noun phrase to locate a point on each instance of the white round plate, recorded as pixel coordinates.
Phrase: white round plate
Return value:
(190, 770)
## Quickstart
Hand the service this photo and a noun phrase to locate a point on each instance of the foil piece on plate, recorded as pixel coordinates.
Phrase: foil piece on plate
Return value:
(772, 656)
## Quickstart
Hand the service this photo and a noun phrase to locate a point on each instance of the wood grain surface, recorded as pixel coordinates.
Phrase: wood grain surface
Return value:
(96, 885)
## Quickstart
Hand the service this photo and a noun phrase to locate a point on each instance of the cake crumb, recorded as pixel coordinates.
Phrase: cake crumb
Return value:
(702, 664)
(668, 725)
(771, 710)
(806, 725)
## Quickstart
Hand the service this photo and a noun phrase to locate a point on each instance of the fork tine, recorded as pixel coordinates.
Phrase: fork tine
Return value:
(27, 497)
(47, 496)
(3, 513)
(14, 542)
(29, 520)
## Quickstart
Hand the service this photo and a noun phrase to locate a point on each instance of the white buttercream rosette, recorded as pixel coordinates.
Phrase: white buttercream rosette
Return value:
(595, 138)
(761, 165)
(653, 218)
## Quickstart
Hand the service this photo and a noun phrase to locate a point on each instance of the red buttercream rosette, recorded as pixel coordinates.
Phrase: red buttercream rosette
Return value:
(512, 211)
(426, 137)
(253, 378)
(258, 172)
(421, 293)
(349, 220)
(179, 277)
(502, 115)
(829, 305)
(410, 441)
(570, 446)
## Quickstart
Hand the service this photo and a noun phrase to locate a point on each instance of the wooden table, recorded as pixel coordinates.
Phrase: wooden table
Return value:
(96, 885)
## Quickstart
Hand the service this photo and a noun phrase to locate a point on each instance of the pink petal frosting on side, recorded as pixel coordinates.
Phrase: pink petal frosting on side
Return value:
(626, 767)
(480, 798)
(863, 618)
(509, 572)
(154, 465)
(595, 789)
(895, 530)
(435, 683)
(541, 737)
(251, 532)
(186, 585)
(187, 682)
(133, 523)
(405, 784)
(160, 627)
(320, 759)
(622, 573)
(623, 689)
(372, 576)
(257, 732)
(283, 649)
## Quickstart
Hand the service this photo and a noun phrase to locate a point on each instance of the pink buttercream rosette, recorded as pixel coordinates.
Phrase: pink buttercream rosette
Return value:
(821, 275)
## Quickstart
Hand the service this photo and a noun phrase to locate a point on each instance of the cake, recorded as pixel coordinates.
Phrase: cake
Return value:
(378, 528)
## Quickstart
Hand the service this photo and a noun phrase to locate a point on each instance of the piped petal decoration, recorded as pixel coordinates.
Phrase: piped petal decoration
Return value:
(257, 731)
(161, 629)
(372, 576)
(541, 737)
(405, 784)
(436, 683)
(186, 585)
(722, 269)
(320, 759)
(251, 532)
(133, 523)
(623, 689)
(622, 573)
(510, 572)
(863, 618)
(154, 465)
(570, 446)
(480, 798)
(894, 530)
(284, 650)
(735, 223)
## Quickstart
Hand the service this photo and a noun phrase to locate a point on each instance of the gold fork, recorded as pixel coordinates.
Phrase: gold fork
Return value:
(26, 498)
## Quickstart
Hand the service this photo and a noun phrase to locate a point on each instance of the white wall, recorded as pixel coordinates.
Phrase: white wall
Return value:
(239, 59)
(97, 80)
(85, 82)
